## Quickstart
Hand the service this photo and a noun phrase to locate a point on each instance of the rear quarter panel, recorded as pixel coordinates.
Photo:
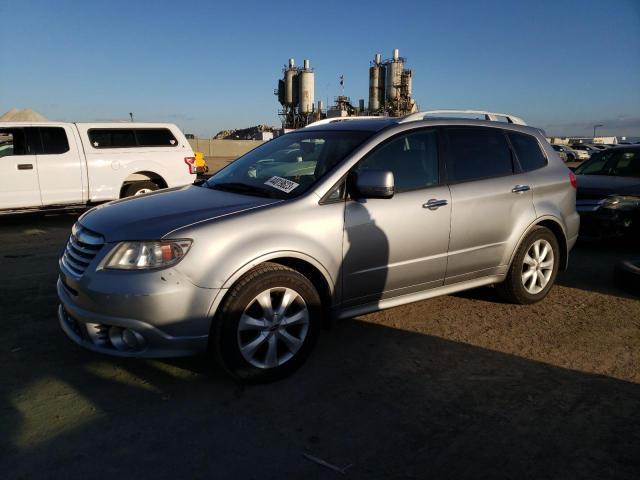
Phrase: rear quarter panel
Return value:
(553, 195)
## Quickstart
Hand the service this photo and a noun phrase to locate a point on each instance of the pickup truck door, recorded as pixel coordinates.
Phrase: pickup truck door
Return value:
(60, 166)
(18, 171)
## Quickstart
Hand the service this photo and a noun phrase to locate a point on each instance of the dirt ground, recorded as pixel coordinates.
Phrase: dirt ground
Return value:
(460, 386)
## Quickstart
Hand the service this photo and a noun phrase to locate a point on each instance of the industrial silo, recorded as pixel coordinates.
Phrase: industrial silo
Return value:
(376, 84)
(290, 93)
(306, 84)
(393, 79)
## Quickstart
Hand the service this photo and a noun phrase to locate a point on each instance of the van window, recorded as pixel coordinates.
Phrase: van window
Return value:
(476, 153)
(54, 140)
(528, 151)
(413, 159)
(155, 137)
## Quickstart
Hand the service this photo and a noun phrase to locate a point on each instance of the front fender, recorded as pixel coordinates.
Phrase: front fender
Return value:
(226, 248)
(281, 254)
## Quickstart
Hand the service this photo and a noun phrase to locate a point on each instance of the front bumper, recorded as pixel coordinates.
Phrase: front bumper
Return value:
(607, 223)
(135, 315)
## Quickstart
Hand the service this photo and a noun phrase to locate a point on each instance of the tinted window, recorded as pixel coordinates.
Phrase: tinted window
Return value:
(477, 153)
(112, 138)
(156, 137)
(412, 158)
(54, 140)
(528, 151)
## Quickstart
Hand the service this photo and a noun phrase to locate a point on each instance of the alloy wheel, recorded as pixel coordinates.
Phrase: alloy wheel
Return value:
(273, 327)
(537, 266)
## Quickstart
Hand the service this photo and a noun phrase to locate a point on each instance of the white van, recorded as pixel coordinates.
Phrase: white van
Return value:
(60, 165)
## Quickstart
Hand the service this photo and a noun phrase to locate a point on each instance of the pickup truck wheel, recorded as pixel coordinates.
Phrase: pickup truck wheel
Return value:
(534, 268)
(140, 188)
(267, 324)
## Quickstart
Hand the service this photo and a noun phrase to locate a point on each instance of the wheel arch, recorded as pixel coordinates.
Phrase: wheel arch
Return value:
(553, 224)
(304, 264)
(142, 176)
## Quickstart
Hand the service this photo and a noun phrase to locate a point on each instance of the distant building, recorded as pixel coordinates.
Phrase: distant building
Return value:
(264, 136)
(588, 140)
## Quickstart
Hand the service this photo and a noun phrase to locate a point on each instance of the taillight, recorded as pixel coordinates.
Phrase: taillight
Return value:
(573, 180)
(191, 163)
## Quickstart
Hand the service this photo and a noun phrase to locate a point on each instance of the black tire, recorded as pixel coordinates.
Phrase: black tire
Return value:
(513, 289)
(627, 275)
(135, 187)
(225, 336)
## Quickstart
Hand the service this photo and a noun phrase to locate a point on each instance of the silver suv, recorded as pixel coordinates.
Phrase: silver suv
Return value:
(326, 222)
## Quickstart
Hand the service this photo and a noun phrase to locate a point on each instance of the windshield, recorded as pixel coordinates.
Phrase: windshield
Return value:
(289, 165)
(618, 163)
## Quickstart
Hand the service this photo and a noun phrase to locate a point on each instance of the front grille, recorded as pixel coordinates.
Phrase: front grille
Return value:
(82, 247)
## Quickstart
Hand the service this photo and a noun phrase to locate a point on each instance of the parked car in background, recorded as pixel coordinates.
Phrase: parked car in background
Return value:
(565, 152)
(584, 151)
(61, 165)
(372, 214)
(608, 198)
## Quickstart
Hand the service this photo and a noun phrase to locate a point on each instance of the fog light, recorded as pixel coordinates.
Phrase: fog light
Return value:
(125, 339)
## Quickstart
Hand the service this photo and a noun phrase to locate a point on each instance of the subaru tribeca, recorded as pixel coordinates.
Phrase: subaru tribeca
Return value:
(330, 221)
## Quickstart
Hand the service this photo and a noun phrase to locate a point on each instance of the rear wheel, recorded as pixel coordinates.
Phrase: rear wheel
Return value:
(534, 268)
(268, 324)
(140, 188)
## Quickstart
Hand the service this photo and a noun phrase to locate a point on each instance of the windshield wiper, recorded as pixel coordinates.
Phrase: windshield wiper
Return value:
(238, 187)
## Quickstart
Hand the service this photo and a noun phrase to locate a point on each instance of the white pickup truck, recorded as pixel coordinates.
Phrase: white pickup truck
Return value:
(61, 165)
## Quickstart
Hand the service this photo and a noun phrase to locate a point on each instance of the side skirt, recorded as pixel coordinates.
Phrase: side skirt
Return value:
(416, 297)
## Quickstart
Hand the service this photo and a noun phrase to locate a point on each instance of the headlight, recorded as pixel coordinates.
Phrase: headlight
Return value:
(621, 202)
(147, 255)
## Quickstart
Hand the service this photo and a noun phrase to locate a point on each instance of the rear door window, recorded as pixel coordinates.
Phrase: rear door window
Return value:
(476, 153)
(528, 150)
(54, 140)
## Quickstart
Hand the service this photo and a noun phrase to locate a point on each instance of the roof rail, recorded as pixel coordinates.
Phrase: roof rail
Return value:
(491, 116)
(324, 121)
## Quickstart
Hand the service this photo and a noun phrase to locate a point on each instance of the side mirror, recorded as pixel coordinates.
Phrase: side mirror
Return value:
(374, 184)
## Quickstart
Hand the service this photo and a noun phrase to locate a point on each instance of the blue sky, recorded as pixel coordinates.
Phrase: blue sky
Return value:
(561, 65)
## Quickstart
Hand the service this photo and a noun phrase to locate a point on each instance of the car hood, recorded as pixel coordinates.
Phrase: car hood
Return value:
(590, 186)
(154, 215)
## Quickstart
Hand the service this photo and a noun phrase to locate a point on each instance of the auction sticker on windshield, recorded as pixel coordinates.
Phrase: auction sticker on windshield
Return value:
(281, 184)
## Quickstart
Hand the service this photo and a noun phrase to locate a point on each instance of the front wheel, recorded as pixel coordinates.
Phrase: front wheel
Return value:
(267, 325)
(534, 268)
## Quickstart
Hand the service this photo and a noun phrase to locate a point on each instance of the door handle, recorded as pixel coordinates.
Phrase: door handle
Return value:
(521, 188)
(434, 204)
(25, 166)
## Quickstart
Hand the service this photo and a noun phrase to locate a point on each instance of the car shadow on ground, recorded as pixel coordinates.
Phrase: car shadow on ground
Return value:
(389, 402)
